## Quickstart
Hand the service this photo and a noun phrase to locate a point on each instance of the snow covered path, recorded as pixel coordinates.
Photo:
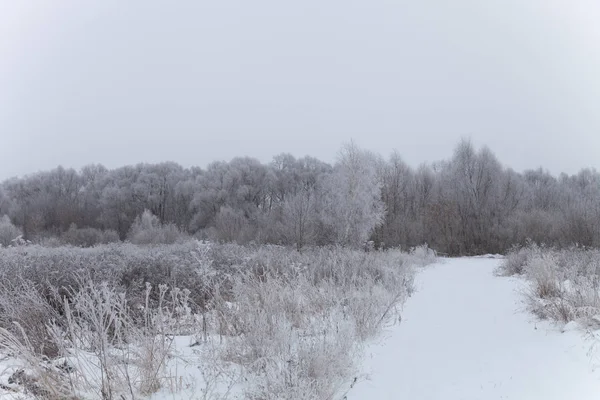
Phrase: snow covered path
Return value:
(464, 335)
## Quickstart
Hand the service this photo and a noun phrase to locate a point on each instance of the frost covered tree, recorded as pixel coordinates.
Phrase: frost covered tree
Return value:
(242, 185)
(398, 193)
(295, 188)
(299, 217)
(92, 176)
(351, 205)
(474, 186)
(466, 204)
(232, 226)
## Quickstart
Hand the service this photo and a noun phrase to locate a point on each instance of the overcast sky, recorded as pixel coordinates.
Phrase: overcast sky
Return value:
(121, 82)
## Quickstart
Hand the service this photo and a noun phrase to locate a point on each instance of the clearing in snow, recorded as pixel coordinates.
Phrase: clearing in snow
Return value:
(465, 334)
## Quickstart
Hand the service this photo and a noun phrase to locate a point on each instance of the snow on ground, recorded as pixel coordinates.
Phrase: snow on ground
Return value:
(466, 335)
(193, 377)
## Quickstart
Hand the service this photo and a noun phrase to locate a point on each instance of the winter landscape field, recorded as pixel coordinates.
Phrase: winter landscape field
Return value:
(299, 200)
(301, 280)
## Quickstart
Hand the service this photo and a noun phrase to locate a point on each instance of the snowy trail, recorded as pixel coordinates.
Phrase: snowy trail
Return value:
(464, 335)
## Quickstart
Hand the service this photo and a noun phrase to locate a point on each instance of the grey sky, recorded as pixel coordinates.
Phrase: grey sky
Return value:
(120, 82)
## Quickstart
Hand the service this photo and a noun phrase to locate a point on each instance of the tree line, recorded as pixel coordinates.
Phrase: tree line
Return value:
(468, 204)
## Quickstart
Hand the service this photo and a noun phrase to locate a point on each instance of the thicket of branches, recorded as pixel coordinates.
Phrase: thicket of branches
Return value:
(468, 204)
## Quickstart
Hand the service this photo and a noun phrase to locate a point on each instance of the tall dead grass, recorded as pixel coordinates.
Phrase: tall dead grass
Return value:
(565, 283)
(292, 322)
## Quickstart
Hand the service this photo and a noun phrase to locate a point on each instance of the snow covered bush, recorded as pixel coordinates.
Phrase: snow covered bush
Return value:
(517, 258)
(543, 271)
(565, 284)
(421, 255)
(8, 232)
(299, 319)
(147, 229)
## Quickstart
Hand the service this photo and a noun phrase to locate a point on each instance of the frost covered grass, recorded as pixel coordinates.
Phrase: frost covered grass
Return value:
(565, 284)
(274, 323)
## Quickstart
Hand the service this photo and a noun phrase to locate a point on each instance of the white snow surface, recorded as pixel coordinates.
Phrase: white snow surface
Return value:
(465, 334)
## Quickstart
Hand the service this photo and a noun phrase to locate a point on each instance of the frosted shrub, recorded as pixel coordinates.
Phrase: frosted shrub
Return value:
(299, 318)
(544, 272)
(293, 337)
(517, 259)
(147, 229)
(422, 255)
(8, 232)
(565, 284)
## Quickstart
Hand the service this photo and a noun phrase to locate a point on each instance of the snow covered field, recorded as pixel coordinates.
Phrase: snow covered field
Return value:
(465, 334)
